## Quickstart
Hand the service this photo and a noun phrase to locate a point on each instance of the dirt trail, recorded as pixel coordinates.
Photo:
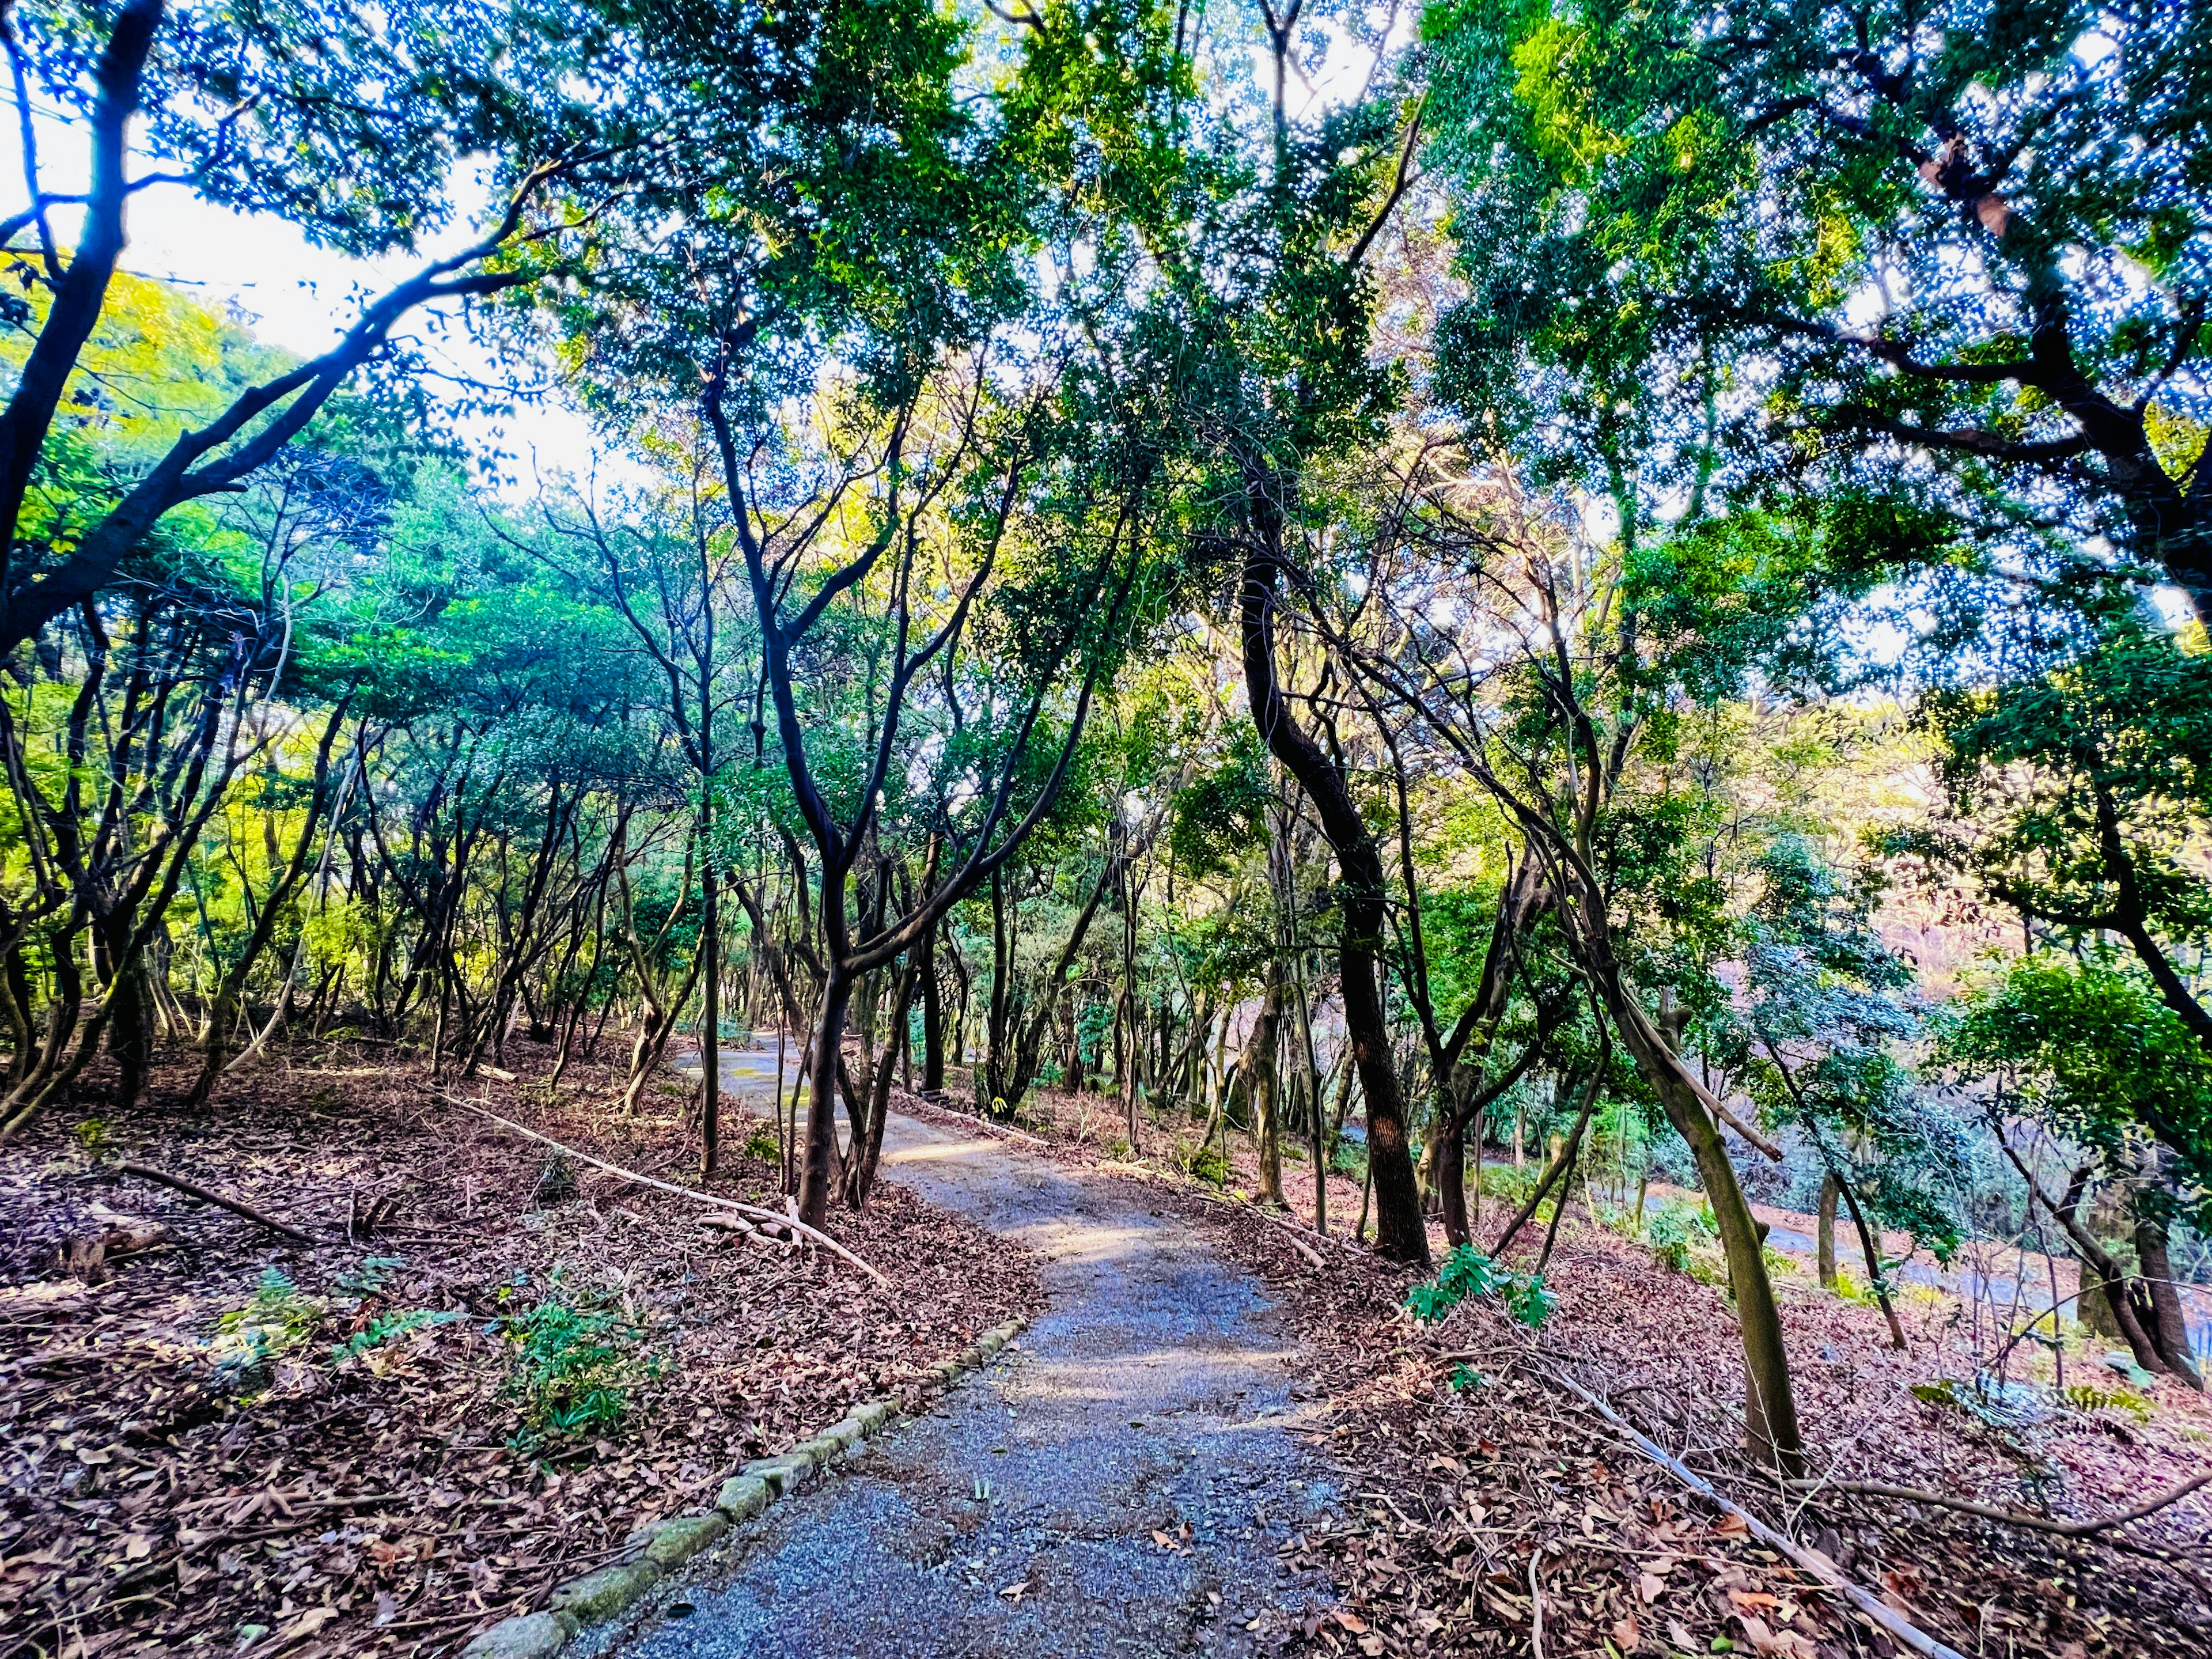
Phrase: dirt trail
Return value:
(1020, 1517)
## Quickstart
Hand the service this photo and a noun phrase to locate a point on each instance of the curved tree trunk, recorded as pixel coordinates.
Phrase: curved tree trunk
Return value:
(1400, 1231)
(2167, 1327)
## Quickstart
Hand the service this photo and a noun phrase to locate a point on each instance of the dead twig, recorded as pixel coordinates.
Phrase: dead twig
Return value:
(1289, 1233)
(195, 1190)
(1902, 1629)
(791, 1221)
(2008, 1518)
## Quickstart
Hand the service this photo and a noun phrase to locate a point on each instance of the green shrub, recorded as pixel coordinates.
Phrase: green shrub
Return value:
(1676, 1228)
(1504, 1181)
(372, 1276)
(1349, 1157)
(1207, 1164)
(2088, 1397)
(576, 1368)
(385, 1327)
(763, 1146)
(1466, 1272)
(276, 1319)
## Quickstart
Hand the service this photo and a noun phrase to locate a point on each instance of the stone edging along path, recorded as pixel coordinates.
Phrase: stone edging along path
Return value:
(658, 1550)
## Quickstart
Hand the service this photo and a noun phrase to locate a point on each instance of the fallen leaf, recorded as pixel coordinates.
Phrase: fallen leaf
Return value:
(308, 1623)
(1350, 1621)
(1650, 1587)
(1015, 1592)
(1626, 1634)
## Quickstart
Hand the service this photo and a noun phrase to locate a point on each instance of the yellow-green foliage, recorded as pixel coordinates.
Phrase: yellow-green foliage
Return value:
(2088, 1397)
(276, 1319)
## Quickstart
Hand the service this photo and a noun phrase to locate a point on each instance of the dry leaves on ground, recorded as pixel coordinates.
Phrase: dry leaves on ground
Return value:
(1476, 1485)
(384, 1501)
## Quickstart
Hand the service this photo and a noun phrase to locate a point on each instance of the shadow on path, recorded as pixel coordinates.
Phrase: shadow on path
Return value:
(1020, 1517)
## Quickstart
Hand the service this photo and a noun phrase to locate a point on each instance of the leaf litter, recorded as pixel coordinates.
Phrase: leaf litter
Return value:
(1471, 1475)
(214, 1436)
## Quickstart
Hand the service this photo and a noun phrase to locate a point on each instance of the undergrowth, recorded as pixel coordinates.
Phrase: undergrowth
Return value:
(1468, 1272)
(577, 1369)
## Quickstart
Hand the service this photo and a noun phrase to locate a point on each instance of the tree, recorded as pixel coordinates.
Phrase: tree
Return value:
(1930, 274)
(350, 125)
(2074, 790)
(1826, 1006)
(2088, 1047)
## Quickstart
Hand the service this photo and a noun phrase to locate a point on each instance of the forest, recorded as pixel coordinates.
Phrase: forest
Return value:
(1531, 673)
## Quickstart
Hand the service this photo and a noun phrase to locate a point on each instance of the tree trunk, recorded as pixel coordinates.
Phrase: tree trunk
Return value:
(815, 1175)
(1263, 1080)
(710, 1021)
(1769, 1408)
(2167, 1327)
(1825, 1243)
(1451, 1177)
(1400, 1231)
(2101, 1272)
(932, 1020)
(868, 1132)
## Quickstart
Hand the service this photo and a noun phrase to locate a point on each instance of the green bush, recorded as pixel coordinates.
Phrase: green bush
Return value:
(1207, 1164)
(1466, 1272)
(276, 1319)
(1676, 1228)
(763, 1145)
(576, 1368)
(1504, 1181)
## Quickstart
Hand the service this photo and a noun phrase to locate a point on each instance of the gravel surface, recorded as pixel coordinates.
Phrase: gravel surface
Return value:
(1027, 1514)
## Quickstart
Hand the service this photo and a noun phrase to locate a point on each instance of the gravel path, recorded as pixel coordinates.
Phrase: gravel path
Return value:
(1020, 1517)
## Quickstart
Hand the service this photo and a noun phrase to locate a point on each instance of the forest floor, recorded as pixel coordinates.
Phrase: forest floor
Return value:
(224, 1440)
(1472, 1475)
(200, 1456)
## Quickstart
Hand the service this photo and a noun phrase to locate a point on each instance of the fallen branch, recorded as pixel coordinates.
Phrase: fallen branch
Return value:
(1811, 1560)
(692, 1192)
(194, 1190)
(2008, 1518)
(1289, 1231)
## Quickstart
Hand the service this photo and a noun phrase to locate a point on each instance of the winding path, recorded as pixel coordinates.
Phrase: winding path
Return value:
(1023, 1515)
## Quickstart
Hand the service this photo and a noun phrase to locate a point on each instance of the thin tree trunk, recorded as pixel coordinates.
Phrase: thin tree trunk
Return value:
(1825, 1244)
(1400, 1233)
